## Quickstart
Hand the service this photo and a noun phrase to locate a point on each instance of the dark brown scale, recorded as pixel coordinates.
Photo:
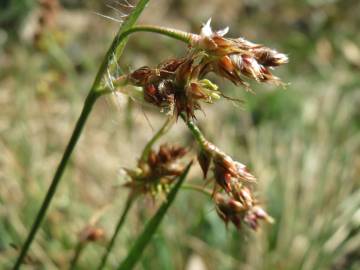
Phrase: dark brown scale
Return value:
(141, 76)
(183, 73)
(151, 94)
(164, 154)
(171, 65)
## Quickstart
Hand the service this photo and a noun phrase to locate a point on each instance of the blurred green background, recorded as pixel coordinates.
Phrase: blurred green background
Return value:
(302, 143)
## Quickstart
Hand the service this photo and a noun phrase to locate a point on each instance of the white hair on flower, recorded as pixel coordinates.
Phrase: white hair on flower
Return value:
(206, 30)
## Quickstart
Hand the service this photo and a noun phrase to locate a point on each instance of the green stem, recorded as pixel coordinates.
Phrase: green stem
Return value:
(118, 46)
(114, 50)
(165, 128)
(121, 221)
(198, 135)
(79, 249)
(89, 102)
(172, 33)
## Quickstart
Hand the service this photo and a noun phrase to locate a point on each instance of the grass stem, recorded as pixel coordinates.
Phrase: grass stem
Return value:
(196, 132)
(115, 50)
(165, 128)
(120, 223)
(89, 102)
(78, 250)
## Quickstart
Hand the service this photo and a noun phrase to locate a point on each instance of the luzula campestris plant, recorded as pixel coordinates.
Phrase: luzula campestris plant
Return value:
(178, 86)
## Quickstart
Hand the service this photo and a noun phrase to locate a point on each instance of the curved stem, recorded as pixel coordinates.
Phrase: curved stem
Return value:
(89, 102)
(122, 218)
(172, 33)
(118, 46)
(165, 128)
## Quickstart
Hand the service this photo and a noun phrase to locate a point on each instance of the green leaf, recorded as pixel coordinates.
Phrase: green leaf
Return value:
(151, 227)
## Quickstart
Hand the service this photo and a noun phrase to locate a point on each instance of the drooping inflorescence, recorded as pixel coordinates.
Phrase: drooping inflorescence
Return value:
(179, 85)
(233, 195)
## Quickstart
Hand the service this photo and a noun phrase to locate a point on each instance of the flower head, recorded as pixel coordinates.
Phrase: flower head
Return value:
(232, 194)
(176, 84)
(234, 58)
(159, 170)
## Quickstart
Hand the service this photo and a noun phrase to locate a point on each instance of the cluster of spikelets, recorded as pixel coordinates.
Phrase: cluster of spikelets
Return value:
(155, 174)
(232, 193)
(177, 86)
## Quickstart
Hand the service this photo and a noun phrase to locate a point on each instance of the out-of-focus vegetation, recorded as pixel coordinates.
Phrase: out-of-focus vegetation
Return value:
(302, 143)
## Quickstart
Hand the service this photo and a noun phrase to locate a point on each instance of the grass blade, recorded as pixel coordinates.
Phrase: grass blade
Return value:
(151, 227)
(120, 223)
